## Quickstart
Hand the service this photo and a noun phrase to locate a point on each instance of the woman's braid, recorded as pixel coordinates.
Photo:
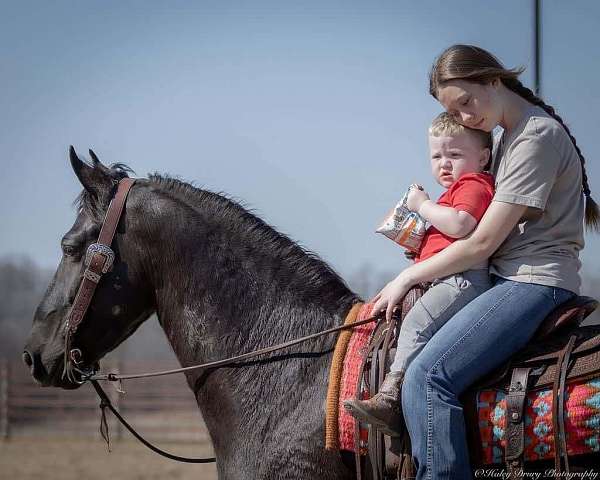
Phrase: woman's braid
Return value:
(592, 215)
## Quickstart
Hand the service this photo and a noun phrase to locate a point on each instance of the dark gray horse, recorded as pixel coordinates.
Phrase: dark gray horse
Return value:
(222, 282)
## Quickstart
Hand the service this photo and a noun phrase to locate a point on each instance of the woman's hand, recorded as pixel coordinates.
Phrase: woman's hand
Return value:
(392, 294)
(415, 199)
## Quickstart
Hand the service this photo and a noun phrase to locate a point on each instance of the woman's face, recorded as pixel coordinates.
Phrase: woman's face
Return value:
(472, 104)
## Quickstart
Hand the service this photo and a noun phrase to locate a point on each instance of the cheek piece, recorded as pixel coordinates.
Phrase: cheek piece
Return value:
(99, 259)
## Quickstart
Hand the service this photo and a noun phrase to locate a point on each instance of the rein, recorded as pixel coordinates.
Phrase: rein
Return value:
(98, 261)
(113, 377)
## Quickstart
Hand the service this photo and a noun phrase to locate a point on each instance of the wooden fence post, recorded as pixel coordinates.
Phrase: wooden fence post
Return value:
(4, 413)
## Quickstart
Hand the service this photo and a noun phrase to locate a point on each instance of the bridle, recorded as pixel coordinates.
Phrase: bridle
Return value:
(98, 261)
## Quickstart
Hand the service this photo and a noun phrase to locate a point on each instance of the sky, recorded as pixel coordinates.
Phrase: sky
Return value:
(313, 114)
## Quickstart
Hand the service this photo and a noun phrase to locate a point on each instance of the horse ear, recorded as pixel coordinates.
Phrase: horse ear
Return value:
(94, 157)
(94, 179)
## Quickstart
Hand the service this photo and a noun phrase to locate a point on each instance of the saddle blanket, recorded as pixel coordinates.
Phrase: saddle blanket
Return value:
(582, 422)
(354, 354)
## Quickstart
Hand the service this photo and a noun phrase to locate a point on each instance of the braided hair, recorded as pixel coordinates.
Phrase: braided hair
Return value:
(471, 63)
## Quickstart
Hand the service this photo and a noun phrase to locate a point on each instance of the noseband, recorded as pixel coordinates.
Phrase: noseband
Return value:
(99, 259)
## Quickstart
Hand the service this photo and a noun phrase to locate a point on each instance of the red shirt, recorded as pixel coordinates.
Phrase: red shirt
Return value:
(472, 193)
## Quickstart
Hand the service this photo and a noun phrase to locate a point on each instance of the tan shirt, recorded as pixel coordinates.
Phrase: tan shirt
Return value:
(536, 165)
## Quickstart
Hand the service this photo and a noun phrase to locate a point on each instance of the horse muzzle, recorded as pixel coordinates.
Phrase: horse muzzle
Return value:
(48, 374)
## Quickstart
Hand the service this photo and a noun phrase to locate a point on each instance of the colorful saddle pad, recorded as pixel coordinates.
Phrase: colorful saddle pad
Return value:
(582, 422)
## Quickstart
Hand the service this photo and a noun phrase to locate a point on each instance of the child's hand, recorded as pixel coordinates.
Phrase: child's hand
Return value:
(415, 199)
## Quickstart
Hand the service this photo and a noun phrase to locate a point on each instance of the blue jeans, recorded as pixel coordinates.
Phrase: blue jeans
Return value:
(472, 343)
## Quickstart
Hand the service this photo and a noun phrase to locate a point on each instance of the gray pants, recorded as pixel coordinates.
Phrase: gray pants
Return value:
(445, 297)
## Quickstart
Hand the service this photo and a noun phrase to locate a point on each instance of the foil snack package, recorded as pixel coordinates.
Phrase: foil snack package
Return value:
(404, 227)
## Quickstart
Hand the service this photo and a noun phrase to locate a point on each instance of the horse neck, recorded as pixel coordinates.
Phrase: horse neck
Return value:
(222, 288)
(221, 292)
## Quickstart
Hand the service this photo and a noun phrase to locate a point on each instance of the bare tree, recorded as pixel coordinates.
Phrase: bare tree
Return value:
(22, 285)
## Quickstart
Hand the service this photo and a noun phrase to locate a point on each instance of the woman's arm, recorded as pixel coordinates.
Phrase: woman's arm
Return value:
(497, 222)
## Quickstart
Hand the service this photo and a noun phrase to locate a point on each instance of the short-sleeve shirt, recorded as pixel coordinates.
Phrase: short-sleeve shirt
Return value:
(471, 193)
(537, 165)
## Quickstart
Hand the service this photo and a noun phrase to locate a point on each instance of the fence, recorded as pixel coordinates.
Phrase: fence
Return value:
(160, 409)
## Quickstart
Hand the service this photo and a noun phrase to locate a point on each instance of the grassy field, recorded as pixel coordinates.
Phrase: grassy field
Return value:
(25, 458)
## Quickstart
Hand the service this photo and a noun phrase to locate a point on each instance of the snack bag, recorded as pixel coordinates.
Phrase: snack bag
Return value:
(404, 227)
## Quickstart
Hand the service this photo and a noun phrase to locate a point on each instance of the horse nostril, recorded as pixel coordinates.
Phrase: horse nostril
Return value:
(27, 359)
(34, 363)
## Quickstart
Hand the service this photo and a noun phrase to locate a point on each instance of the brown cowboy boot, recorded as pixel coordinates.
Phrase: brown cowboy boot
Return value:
(384, 409)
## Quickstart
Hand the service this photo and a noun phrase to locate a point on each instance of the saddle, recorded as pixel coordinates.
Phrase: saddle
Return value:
(560, 364)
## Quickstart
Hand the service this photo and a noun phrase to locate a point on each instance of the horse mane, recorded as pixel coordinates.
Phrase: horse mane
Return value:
(308, 264)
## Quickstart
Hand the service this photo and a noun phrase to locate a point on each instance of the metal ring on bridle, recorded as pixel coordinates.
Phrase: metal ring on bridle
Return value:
(76, 356)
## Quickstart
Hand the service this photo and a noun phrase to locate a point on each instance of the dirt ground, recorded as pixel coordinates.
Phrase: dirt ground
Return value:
(76, 459)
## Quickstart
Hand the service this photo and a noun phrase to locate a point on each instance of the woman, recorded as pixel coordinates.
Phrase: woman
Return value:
(533, 231)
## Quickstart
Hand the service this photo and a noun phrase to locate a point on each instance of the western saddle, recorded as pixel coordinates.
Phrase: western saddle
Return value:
(559, 350)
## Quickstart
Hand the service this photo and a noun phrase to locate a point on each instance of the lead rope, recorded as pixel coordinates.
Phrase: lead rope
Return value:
(106, 403)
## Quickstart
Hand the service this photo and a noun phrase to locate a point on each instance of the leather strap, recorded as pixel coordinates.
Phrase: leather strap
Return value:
(375, 437)
(383, 368)
(114, 377)
(98, 261)
(515, 425)
(378, 353)
(558, 412)
(563, 399)
(115, 209)
(358, 396)
(106, 403)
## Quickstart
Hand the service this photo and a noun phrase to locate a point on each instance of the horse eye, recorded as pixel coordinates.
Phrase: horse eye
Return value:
(69, 250)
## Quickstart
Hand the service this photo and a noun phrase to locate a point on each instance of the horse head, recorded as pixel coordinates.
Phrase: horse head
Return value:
(122, 300)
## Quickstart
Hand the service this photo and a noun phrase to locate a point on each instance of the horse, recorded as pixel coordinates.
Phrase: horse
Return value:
(221, 282)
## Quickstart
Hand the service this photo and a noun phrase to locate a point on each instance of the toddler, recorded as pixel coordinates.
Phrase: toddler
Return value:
(459, 157)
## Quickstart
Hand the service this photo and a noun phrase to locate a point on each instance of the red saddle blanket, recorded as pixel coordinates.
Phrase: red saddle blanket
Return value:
(354, 354)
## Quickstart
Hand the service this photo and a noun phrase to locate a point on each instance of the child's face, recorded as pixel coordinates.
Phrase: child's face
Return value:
(453, 156)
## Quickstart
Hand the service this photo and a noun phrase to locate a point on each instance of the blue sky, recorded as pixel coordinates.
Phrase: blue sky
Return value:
(313, 114)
